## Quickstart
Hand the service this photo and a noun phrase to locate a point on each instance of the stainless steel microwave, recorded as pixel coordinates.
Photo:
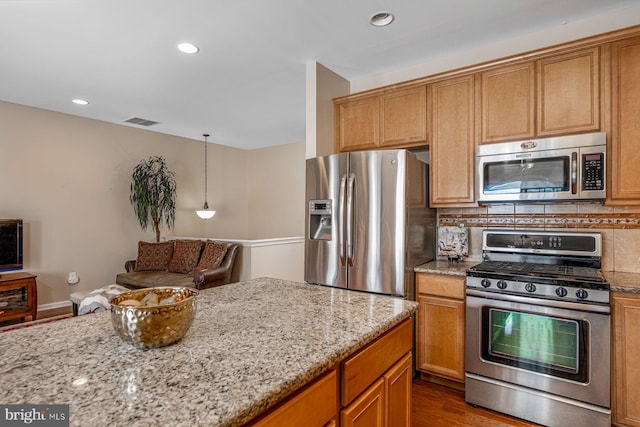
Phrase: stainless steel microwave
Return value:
(566, 168)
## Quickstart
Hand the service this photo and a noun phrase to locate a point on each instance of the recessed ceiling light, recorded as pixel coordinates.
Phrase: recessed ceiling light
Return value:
(188, 48)
(80, 102)
(381, 19)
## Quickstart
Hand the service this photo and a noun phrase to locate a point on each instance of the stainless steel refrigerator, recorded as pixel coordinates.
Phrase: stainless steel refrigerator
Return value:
(367, 221)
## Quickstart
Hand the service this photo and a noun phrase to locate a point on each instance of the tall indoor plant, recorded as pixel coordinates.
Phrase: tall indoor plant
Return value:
(153, 194)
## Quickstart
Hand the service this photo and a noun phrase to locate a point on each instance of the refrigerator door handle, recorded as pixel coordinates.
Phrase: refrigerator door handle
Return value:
(350, 212)
(341, 246)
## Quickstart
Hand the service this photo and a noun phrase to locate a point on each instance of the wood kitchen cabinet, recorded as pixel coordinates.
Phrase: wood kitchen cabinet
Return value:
(626, 347)
(403, 117)
(395, 118)
(376, 382)
(370, 388)
(440, 331)
(553, 95)
(452, 148)
(357, 124)
(623, 170)
(568, 93)
(507, 103)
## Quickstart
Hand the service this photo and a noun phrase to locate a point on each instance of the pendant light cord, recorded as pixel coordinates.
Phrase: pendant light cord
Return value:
(206, 135)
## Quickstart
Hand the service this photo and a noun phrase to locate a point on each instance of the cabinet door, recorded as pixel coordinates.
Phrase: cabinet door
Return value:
(404, 117)
(357, 124)
(507, 103)
(569, 93)
(625, 123)
(626, 347)
(452, 148)
(314, 406)
(367, 410)
(397, 387)
(440, 338)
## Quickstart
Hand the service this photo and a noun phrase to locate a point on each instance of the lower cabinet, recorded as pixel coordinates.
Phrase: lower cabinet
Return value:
(371, 388)
(626, 370)
(303, 409)
(440, 330)
(387, 402)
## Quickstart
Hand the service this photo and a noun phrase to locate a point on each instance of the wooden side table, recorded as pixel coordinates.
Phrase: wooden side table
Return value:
(18, 296)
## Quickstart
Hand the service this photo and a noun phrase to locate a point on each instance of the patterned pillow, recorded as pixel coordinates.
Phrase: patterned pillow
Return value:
(185, 256)
(153, 256)
(212, 254)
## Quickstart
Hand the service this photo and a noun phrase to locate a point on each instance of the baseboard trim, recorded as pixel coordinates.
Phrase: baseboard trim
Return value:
(54, 305)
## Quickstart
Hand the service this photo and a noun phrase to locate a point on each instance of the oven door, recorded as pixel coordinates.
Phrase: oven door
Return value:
(532, 176)
(562, 351)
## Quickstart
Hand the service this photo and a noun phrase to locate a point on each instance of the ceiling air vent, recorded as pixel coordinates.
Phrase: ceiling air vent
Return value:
(141, 122)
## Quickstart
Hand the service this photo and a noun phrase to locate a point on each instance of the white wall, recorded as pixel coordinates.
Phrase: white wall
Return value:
(562, 33)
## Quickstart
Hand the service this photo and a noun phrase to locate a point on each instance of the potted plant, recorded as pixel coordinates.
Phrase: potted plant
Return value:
(153, 194)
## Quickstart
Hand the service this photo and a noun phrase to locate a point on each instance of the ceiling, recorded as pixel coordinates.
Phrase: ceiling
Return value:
(246, 85)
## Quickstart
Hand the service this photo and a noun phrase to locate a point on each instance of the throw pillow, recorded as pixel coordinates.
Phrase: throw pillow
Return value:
(153, 256)
(185, 256)
(212, 254)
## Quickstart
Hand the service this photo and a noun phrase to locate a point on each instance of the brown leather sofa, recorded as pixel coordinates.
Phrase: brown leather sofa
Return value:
(202, 279)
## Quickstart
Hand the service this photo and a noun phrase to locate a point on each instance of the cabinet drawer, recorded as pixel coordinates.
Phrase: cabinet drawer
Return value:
(441, 285)
(362, 369)
(316, 405)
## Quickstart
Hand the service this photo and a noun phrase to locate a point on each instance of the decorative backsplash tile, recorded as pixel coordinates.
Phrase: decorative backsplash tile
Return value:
(572, 217)
(619, 226)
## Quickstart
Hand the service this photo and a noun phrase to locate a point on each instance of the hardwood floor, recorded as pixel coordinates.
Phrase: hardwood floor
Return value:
(439, 406)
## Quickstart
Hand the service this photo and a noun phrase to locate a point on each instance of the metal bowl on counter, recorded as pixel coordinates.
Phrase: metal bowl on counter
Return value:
(153, 317)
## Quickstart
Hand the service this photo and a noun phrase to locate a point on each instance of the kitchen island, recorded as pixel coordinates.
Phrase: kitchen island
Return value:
(251, 345)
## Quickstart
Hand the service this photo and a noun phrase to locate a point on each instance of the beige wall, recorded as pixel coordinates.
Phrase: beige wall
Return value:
(68, 178)
(276, 191)
(322, 86)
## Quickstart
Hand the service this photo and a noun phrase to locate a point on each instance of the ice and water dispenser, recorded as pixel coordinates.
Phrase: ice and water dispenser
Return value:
(320, 219)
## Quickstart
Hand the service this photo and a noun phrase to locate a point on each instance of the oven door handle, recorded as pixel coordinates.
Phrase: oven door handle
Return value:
(594, 308)
(574, 173)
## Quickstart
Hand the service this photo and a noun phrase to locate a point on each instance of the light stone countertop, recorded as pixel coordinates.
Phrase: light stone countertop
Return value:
(623, 282)
(446, 267)
(619, 281)
(251, 344)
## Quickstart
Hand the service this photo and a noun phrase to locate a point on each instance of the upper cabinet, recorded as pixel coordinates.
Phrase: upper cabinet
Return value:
(624, 174)
(554, 95)
(395, 118)
(569, 93)
(357, 124)
(452, 148)
(587, 85)
(403, 117)
(507, 103)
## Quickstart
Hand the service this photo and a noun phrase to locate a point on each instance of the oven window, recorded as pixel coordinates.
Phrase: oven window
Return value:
(546, 175)
(536, 342)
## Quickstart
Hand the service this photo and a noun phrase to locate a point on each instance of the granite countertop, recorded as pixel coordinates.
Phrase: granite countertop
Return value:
(446, 267)
(251, 344)
(623, 282)
(619, 281)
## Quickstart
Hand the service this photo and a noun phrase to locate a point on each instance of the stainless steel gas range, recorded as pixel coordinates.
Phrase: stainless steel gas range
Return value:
(538, 319)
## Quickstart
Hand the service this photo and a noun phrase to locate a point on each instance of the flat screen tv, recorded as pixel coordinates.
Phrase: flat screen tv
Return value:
(10, 244)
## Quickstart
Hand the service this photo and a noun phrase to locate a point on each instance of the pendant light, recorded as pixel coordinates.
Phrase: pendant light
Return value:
(205, 212)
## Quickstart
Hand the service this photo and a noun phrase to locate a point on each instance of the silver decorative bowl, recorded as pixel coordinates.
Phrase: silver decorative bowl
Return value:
(154, 325)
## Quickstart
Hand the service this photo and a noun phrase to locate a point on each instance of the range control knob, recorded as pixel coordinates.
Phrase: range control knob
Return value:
(485, 283)
(501, 284)
(561, 292)
(530, 287)
(582, 294)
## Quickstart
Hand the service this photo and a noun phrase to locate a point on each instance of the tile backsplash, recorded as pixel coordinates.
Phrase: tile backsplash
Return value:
(619, 226)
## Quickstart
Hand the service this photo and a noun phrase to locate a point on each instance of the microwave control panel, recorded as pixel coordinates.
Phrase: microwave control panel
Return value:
(593, 171)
